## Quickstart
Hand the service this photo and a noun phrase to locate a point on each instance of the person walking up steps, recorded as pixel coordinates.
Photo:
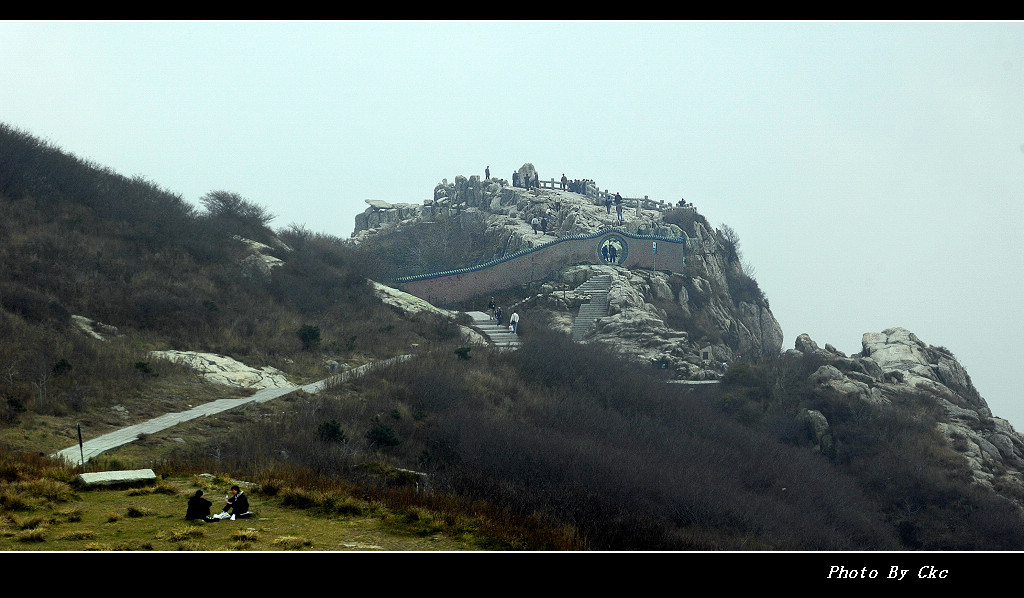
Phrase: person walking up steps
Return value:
(513, 322)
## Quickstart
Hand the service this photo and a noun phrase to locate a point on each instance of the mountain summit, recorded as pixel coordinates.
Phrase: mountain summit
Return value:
(646, 403)
(689, 310)
(697, 313)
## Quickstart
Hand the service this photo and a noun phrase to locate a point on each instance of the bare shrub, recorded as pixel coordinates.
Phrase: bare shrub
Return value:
(233, 214)
(183, 533)
(32, 535)
(77, 535)
(291, 543)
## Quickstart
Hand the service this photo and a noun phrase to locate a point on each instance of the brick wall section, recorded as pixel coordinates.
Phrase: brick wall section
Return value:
(544, 263)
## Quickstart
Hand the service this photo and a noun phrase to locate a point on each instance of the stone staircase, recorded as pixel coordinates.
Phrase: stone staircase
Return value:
(499, 335)
(597, 287)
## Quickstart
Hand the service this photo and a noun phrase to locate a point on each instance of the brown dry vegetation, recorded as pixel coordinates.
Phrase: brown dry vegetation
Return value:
(44, 510)
(549, 447)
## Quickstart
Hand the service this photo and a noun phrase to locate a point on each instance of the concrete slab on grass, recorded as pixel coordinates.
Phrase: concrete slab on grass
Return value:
(114, 478)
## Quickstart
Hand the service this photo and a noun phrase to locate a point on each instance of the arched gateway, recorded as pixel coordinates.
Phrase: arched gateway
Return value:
(607, 247)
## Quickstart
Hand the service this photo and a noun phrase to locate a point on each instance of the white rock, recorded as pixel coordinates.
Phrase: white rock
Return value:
(224, 370)
(406, 302)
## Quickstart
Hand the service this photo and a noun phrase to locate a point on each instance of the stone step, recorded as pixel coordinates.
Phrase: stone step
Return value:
(498, 335)
(598, 288)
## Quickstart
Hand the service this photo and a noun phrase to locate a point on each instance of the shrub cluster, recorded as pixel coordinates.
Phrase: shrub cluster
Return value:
(584, 440)
(921, 487)
(79, 239)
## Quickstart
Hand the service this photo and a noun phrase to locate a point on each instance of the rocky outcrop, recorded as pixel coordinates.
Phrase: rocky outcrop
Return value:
(96, 330)
(896, 362)
(381, 214)
(689, 322)
(259, 262)
(642, 303)
(412, 305)
(219, 369)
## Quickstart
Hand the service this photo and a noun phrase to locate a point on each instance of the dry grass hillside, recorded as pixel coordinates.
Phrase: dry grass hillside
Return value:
(462, 448)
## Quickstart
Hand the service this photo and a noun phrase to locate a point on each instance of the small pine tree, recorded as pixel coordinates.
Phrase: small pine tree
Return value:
(331, 431)
(310, 337)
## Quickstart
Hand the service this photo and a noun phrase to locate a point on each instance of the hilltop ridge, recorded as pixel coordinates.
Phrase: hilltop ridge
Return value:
(585, 439)
(702, 318)
(689, 316)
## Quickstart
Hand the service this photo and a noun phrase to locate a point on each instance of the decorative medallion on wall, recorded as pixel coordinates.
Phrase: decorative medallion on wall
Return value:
(612, 250)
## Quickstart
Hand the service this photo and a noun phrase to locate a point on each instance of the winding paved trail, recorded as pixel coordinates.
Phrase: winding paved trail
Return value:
(498, 335)
(90, 448)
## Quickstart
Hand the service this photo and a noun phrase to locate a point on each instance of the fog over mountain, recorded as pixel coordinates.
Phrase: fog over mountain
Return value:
(870, 169)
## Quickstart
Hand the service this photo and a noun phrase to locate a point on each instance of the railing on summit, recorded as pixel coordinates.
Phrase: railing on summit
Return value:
(644, 202)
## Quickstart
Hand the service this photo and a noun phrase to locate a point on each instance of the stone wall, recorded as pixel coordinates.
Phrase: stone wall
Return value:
(544, 263)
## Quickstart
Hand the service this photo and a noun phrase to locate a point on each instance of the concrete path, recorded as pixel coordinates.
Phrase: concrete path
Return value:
(90, 448)
(501, 336)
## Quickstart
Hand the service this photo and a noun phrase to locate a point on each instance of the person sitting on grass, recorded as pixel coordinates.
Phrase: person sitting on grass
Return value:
(198, 507)
(236, 506)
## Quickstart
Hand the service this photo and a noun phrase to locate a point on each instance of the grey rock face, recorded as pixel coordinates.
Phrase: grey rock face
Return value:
(636, 322)
(96, 330)
(224, 370)
(641, 303)
(818, 427)
(896, 362)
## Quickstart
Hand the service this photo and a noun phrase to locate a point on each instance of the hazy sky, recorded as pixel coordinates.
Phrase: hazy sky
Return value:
(874, 171)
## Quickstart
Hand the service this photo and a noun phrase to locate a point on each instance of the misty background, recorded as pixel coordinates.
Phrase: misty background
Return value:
(872, 170)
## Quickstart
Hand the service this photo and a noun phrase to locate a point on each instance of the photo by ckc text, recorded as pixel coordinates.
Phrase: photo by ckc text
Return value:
(894, 572)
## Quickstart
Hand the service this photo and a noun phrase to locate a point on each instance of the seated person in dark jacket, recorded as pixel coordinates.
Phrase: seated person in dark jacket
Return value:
(236, 504)
(198, 507)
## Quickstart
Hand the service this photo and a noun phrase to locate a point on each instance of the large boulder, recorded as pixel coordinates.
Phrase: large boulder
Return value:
(224, 370)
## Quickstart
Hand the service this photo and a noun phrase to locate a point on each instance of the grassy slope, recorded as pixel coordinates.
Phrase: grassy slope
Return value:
(152, 519)
(79, 239)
